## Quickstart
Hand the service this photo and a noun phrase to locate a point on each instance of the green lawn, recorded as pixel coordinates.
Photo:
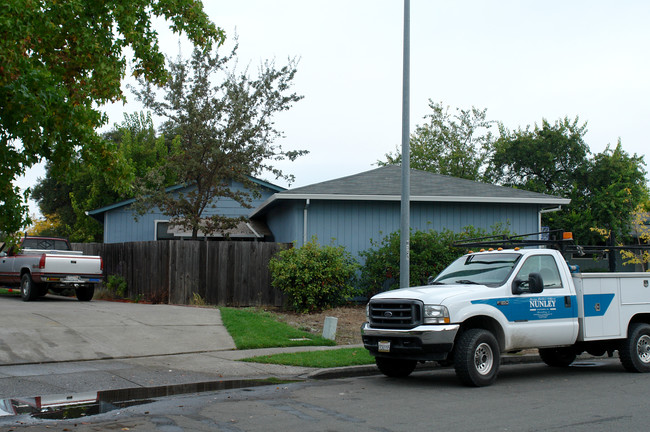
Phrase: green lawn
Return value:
(319, 359)
(10, 291)
(252, 329)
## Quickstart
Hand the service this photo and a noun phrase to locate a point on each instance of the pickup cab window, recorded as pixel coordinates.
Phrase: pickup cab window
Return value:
(45, 244)
(546, 266)
(490, 269)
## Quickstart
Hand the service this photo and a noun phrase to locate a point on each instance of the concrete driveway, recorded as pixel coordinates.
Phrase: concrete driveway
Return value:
(55, 329)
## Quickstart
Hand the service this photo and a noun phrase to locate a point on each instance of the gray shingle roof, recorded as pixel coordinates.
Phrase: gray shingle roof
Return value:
(384, 184)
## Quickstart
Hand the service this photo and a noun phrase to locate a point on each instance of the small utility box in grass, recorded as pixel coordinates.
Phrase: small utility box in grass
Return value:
(329, 328)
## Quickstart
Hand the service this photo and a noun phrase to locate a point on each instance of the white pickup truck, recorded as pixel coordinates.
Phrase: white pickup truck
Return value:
(493, 302)
(43, 263)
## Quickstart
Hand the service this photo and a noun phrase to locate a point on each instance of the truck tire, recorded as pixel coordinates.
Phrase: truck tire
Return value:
(396, 368)
(85, 293)
(557, 357)
(477, 358)
(27, 288)
(634, 351)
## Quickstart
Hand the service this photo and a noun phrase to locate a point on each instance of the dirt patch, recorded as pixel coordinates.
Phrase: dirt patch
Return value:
(348, 327)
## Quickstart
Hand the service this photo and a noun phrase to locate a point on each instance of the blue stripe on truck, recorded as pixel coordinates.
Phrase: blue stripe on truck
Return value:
(533, 308)
(597, 304)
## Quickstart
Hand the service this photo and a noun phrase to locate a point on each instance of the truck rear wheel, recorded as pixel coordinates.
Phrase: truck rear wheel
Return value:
(396, 368)
(557, 357)
(27, 288)
(85, 293)
(634, 351)
(477, 358)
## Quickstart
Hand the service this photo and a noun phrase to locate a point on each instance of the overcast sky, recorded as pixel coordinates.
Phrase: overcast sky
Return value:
(523, 61)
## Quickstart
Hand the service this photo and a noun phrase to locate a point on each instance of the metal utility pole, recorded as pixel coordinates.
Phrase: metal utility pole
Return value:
(405, 225)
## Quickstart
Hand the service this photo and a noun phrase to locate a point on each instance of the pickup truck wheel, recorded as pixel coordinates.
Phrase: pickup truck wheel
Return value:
(477, 358)
(557, 357)
(85, 293)
(396, 368)
(27, 288)
(634, 351)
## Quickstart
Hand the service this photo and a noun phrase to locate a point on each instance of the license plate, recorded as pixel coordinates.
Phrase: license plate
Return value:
(384, 346)
(72, 279)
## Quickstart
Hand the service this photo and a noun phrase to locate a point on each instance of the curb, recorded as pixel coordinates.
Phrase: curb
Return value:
(368, 370)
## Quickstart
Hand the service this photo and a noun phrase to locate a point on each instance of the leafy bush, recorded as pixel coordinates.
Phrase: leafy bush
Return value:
(117, 285)
(314, 277)
(430, 253)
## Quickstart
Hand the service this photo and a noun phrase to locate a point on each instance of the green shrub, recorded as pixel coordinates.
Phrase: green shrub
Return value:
(430, 252)
(117, 285)
(314, 277)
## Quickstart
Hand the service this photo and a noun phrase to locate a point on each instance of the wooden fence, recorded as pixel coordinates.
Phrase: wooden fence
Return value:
(225, 273)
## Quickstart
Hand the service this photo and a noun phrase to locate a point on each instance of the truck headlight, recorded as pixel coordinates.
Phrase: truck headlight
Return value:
(436, 314)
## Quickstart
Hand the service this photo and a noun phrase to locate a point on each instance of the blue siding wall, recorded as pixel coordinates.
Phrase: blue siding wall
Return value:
(286, 222)
(354, 223)
(120, 226)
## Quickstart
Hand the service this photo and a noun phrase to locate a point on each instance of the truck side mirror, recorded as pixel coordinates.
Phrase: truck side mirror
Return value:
(533, 285)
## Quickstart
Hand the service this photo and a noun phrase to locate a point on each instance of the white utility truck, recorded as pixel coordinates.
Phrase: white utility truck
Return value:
(507, 300)
(40, 264)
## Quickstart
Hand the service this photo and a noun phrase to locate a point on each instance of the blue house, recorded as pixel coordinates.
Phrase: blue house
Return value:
(121, 226)
(351, 211)
(355, 209)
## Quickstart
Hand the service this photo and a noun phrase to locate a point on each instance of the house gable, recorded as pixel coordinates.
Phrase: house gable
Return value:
(121, 224)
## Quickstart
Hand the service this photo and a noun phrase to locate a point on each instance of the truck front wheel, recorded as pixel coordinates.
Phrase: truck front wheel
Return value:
(635, 350)
(396, 368)
(557, 357)
(477, 358)
(27, 288)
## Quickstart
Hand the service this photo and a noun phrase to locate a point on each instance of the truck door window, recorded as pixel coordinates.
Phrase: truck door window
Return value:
(544, 265)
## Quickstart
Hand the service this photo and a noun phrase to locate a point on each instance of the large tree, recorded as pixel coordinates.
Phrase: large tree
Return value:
(60, 61)
(131, 151)
(545, 159)
(224, 121)
(615, 186)
(604, 188)
(453, 142)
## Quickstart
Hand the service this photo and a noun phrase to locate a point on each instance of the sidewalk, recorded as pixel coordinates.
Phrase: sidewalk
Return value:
(164, 370)
(60, 346)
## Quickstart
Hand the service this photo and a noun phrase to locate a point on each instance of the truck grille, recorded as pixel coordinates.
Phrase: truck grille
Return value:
(395, 313)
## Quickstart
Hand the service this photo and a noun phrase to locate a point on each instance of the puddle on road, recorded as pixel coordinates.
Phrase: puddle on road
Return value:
(60, 407)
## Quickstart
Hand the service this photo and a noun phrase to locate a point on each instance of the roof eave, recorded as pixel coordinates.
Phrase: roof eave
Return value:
(438, 198)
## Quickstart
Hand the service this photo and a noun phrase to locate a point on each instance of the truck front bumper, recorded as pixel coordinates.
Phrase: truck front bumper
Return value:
(425, 342)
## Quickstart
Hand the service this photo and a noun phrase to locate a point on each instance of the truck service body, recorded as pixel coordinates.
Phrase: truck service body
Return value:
(487, 303)
(43, 263)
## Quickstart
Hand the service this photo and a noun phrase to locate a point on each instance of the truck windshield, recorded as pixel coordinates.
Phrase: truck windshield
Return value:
(483, 269)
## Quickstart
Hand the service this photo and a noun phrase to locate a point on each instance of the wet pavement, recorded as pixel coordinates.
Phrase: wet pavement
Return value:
(59, 355)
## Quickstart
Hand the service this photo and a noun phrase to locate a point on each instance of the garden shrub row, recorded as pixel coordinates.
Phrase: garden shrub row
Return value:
(316, 277)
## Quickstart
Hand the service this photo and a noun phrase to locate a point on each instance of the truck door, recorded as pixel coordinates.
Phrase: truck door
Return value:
(549, 318)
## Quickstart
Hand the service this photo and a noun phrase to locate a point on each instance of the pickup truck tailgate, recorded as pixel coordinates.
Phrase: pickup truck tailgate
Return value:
(70, 267)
